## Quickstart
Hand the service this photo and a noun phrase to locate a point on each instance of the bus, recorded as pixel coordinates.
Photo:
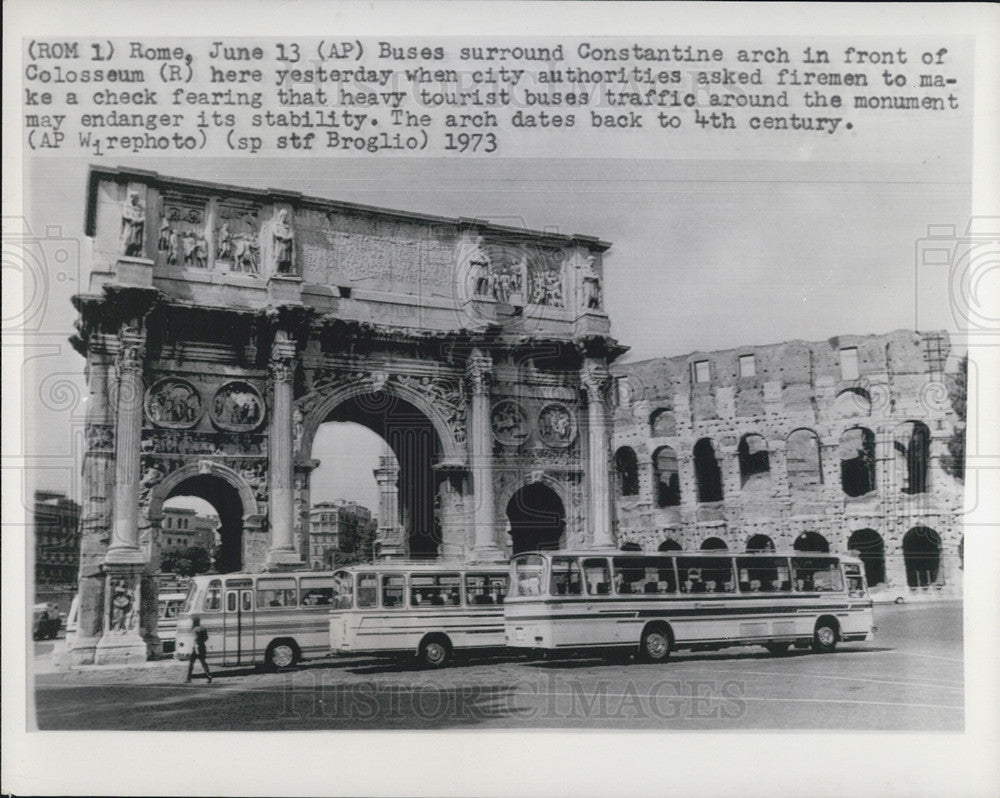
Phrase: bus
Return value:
(169, 601)
(652, 604)
(270, 619)
(431, 610)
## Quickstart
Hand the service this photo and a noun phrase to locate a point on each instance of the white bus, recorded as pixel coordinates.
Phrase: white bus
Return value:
(274, 619)
(169, 602)
(655, 603)
(431, 610)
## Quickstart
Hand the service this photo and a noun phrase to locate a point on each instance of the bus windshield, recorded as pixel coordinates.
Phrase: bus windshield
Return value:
(529, 571)
(189, 599)
(343, 590)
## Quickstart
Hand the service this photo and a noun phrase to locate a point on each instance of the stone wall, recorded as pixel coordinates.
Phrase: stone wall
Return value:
(798, 438)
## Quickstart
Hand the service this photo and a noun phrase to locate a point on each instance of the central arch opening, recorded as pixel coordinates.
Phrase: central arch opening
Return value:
(225, 501)
(412, 439)
(537, 518)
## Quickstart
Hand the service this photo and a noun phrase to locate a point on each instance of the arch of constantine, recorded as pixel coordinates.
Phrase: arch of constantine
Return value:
(223, 325)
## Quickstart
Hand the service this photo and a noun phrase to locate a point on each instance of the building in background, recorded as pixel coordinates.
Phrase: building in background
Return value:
(829, 446)
(183, 528)
(56, 521)
(332, 524)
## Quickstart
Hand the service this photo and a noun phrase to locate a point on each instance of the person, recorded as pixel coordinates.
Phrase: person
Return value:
(199, 652)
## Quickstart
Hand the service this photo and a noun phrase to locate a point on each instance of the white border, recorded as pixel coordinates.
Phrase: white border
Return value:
(484, 762)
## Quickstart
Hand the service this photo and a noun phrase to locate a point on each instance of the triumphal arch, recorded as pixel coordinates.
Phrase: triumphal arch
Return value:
(223, 325)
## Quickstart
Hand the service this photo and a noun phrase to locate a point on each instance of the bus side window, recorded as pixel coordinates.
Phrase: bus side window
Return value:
(213, 597)
(315, 591)
(477, 590)
(598, 576)
(392, 591)
(276, 592)
(367, 591)
(566, 580)
(819, 574)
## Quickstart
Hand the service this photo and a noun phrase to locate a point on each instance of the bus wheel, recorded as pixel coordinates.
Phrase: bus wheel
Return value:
(655, 645)
(281, 654)
(434, 652)
(825, 637)
(777, 649)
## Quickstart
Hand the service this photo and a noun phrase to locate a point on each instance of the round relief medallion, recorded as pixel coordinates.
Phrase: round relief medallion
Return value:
(237, 406)
(173, 403)
(556, 426)
(509, 423)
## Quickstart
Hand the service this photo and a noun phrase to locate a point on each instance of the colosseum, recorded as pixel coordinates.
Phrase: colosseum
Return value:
(834, 445)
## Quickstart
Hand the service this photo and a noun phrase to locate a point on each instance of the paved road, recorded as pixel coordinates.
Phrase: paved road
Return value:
(908, 678)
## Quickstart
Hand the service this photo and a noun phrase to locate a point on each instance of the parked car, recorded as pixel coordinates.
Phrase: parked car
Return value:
(47, 622)
(880, 594)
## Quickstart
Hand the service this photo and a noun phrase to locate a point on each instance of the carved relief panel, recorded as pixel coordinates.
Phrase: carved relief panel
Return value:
(509, 423)
(517, 275)
(237, 237)
(173, 403)
(556, 425)
(182, 239)
(237, 406)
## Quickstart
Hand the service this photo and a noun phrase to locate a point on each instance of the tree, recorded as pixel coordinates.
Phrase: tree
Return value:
(357, 542)
(958, 383)
(186, 562)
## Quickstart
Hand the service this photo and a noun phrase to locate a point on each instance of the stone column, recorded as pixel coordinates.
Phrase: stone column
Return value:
(594, 378)
(281, 546)
(478, 373)
(95, 518)
(122, 639)
(389, 537)
(124, 546)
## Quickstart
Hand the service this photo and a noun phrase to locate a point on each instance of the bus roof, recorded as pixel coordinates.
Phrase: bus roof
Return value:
(423, 566)
(680, 553)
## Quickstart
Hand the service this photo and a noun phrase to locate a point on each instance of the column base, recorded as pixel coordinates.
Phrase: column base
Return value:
(390, 551)
(125, 556)
(489, 554)
(62, 658)
(279, 559)
(82, 650)
(116, 648)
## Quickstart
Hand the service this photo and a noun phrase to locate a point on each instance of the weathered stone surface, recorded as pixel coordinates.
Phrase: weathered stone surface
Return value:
(811, 416)
(228, 324)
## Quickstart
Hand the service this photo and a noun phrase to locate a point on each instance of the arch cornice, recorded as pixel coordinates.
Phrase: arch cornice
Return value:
(162, 490)
(317, 406)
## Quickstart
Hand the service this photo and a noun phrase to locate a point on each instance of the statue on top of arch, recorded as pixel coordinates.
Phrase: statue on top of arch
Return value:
(133, 226)
(282, 240)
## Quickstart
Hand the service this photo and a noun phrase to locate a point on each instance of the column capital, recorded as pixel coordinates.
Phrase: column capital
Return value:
(594, 379)
(282, 363)
(130, 355)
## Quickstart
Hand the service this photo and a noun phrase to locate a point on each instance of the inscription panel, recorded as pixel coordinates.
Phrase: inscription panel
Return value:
(376, 255)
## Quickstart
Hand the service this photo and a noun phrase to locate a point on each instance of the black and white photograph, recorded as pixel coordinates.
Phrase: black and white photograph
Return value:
(547, 399)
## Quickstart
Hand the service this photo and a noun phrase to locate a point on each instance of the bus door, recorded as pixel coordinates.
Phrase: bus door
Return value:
(238, 624)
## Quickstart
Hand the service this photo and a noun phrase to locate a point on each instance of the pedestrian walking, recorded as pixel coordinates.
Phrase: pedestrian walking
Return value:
(198, 652)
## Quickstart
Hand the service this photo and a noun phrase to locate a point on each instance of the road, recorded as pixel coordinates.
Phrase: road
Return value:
(910, 677)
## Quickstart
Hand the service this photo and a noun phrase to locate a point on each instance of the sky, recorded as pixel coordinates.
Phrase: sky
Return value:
(704, 255)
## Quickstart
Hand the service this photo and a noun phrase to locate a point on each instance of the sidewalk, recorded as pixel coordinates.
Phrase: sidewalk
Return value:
(57, 661)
